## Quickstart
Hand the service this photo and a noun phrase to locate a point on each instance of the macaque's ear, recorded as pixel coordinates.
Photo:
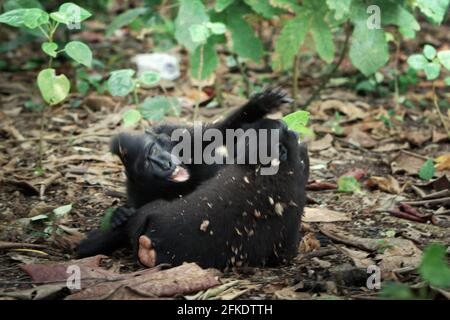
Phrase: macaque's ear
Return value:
(116, 147)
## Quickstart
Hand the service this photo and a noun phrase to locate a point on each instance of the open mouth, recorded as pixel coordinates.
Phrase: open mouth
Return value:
(180, 174)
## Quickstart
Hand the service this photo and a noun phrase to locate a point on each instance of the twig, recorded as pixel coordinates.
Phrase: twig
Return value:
(436, 105)
(244, 76)
(437, 195)
(46, 183)
(295, 75)
(431, 202)
(200, 86)
(61, 138)
(4, 245)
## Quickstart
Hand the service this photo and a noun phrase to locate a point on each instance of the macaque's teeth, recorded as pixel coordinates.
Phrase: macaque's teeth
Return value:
(180, 174)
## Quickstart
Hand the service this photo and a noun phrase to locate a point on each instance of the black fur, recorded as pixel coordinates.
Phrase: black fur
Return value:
(147, 175)
(238, 217)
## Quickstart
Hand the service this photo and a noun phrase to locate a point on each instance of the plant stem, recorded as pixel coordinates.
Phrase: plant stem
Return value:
(295, 74)
(41, 138)
(200, 85)
(244, 76)
(327, 78)
(436, 105)
(397, 73)
(135, 95)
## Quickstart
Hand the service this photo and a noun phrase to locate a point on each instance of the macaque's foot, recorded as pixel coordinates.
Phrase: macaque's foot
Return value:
(146, 253)
(121, 216)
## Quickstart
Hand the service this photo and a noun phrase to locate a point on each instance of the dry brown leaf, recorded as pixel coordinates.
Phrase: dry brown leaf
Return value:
(389, 147)
(324, 215)
(418, 138)
(405, 162)
(347, 108)
(181, 280)
(360, 138)
(439, 136)
(360, 258)
(309, 243)
(388, 184)
(321, 144)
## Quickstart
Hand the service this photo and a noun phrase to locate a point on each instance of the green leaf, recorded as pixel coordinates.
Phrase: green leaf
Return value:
(417, 61)
(149, 78)
(63, 210)
(298, 118)
(106, 220)
(131, 117)
(216, 27)
(427, 170)
(53, 88)
(288, 5)
(245, 43)
(289, 42)
(222, 4)
(398, 291)
(50, 48)
(191, 12)
(369, 49)
(33, 18)
(262, 7)
(297, 121)
(70, 13)
(155, 108)
(210, 60)
(124, 19)
(323, 39)
(444, 58)
(21, 4)
(434, 9)
(395, 14)
(13, 18)
(199, 33)
(348, 184)
(79, 52)
(447, 81)
(341, 8)
(432, 70)
(434, 268)
(429, 52)
(121, 82)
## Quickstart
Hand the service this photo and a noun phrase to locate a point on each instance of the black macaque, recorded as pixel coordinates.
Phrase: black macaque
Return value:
(153, 173)
(239, 217)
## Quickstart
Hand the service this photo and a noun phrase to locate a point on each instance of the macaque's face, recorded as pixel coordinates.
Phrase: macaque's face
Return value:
(147, 158)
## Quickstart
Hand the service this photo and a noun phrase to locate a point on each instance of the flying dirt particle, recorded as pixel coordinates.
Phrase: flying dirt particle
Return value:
(257, 213)
(246, 180)
(271, 201)
(279, 209)
(204, 225)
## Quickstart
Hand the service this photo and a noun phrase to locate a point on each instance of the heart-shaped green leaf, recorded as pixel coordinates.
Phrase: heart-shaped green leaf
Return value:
(427, 170)
(13, 18)
(70, 13)
(432, 70)
(444, 58)
(155, 108)
(199, 33)
(121, 82)
(429, 52)
(417, 61)
(79, 52)
(297, 121)
(54, 89)
(149, 78)
(216, 27)
(131, 117)
(50, 48)
(33, 18)
(447, 81)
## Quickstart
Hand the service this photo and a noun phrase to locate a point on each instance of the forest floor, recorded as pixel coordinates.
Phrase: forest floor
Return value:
(382, 145)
